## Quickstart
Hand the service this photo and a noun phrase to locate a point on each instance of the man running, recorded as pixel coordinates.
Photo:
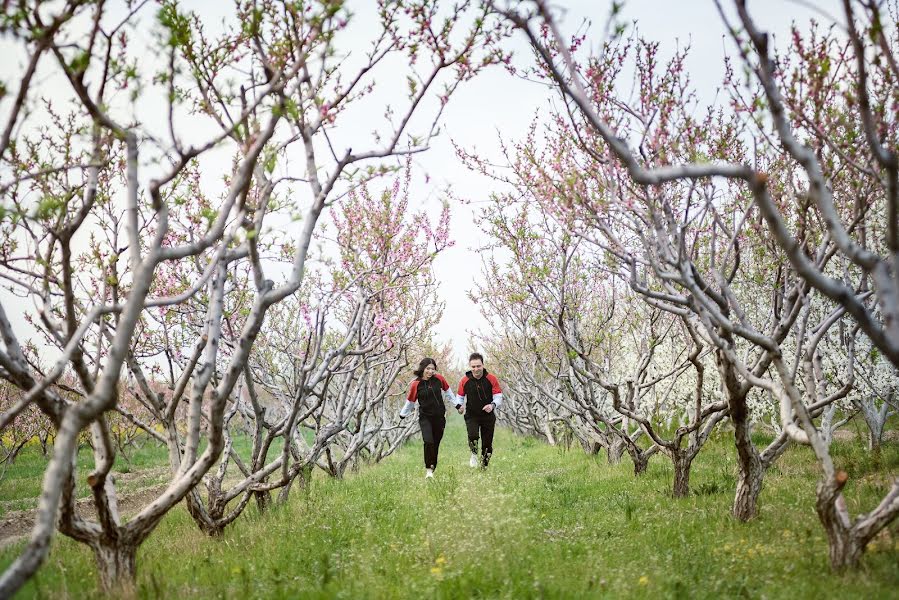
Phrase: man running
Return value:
(481, 394)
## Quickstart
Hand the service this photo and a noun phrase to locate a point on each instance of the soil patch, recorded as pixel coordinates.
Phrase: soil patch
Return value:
(16, 526)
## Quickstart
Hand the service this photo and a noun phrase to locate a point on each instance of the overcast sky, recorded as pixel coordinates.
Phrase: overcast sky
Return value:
(497, 103)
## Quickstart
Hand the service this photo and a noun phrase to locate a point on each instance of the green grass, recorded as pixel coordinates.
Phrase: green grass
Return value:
(540, 523)
(142, 467)
(21, 485)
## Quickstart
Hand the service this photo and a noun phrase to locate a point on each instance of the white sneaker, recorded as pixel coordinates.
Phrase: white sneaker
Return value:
(429, 473)
(473, 461)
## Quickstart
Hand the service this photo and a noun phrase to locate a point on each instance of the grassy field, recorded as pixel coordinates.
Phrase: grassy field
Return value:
(143, 468)
(541, 523)
(22, 482)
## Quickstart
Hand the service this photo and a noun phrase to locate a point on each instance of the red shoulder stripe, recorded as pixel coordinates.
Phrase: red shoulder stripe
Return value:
(443, 384)
(413, 391)
(493, 380)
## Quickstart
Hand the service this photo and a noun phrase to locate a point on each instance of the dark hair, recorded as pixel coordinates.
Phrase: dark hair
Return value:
(475, 356)
(420, 371)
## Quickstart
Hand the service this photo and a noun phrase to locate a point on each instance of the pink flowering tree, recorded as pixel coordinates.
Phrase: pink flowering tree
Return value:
(667, 250)
(141, 192)
(689, 234)
(598, 321)
(29, 427)
(318, 387)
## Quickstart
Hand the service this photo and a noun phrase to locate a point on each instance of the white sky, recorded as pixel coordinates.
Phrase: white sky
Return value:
(497, 103)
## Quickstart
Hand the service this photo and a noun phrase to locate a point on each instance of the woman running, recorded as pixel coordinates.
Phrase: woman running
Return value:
(428, 390)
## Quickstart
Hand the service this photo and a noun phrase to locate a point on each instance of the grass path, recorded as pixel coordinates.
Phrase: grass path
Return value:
(540, 523)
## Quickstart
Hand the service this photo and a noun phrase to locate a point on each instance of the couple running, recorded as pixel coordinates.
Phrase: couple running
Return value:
(479, 396)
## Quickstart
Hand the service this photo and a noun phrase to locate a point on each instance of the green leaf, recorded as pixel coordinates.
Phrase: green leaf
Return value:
(271, 160)
(81, 61)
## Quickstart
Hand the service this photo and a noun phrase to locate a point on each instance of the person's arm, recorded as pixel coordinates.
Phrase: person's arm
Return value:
(407, 409)
(409, 406)
(460, 395)
(448, 394)
(497, 391)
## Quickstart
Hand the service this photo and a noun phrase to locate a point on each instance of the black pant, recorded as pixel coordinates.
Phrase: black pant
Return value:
(481, 426)
(432, 427)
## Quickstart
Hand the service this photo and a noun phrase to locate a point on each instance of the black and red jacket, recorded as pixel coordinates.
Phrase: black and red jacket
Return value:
(478, 393)
(429, 395)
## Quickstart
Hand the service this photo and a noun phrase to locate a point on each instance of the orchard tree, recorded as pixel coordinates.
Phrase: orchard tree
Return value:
(110, 216)
(602, 330)
(328, 359)
(841, 244)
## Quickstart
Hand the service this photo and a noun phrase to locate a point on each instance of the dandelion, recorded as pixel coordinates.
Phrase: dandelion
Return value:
(644, 580)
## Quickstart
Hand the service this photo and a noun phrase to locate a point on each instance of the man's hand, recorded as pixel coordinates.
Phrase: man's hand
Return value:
(460, 409)
(488, 408)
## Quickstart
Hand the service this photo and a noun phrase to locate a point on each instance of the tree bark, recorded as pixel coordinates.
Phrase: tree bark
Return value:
(641, 462)
(548, 432)
(302, 479)
(749, 485)
(590, 447)
(845, 548)
(203, 518)
(263, 500)
(615, 451)
(874, 440)
(116, 566)
(751, 472)
(875, 429)
(681, 461)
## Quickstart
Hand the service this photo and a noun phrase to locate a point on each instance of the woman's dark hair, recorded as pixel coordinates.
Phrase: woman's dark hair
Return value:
(420, 371)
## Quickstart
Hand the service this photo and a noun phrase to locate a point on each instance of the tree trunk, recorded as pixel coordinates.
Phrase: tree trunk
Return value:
(845, 551)
(751, 473)
(750, 476)
(749, 486)
(284, 494)
(302, 479)
(681, 462)
(116, 566)
(641, 462)
(548, 432)
(874, 440)
(206, 520)
(845, 548)
(263, 500)
(875, 431)
(615, 451)
(590, 447)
